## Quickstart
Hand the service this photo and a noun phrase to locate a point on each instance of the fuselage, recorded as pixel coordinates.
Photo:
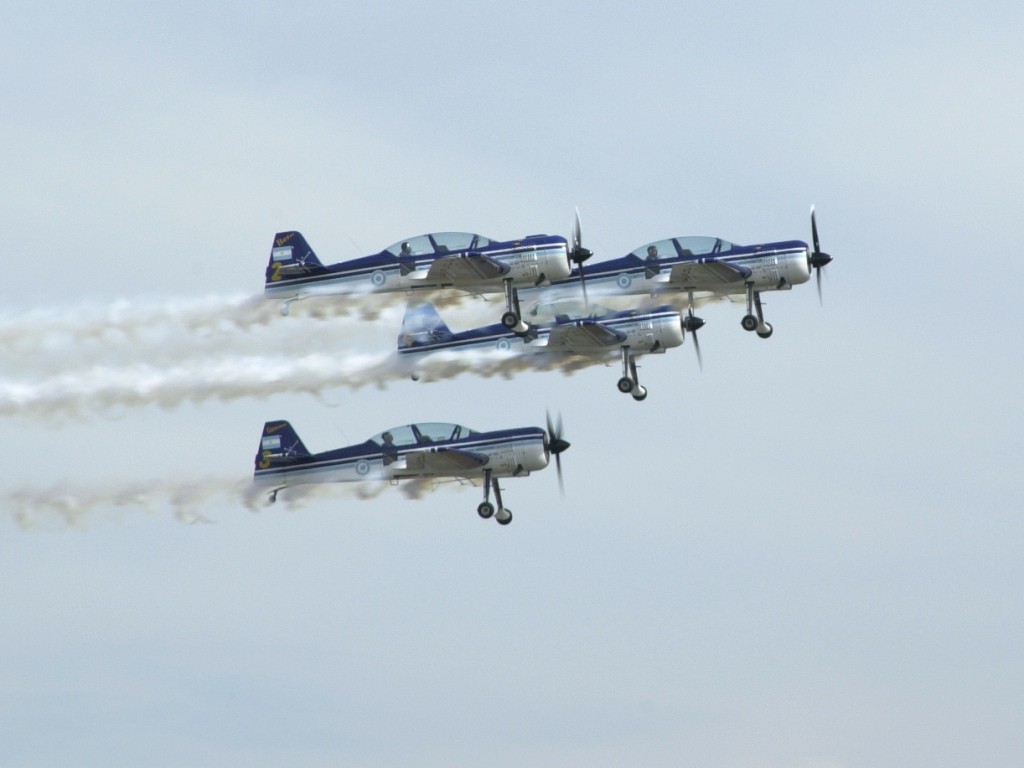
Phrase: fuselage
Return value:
(642, 331)
(400, 455)
(440, 260)
(649, 269)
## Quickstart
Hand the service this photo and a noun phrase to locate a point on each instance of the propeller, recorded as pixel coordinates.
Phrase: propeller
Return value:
(554, 443)
(579, 254)
(817, 259)
(690, 324)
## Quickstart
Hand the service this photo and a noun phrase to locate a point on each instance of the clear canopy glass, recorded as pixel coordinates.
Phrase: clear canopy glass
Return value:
(424, 433)
(437, 243)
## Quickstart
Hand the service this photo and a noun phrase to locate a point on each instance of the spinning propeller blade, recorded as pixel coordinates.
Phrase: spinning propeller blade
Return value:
(691, 324)
(554, 443)
(817, 259)
(579, 254)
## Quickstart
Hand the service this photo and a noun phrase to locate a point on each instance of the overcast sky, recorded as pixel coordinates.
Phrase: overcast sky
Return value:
(806, 556)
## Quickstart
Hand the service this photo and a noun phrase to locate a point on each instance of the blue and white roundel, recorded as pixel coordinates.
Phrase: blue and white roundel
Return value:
(624, 280)
(362, 467)
(378, 278)
(504, 345)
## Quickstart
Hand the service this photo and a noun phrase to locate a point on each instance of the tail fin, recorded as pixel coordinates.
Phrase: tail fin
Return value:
(422, 325)
(279, 444)
(290, 254)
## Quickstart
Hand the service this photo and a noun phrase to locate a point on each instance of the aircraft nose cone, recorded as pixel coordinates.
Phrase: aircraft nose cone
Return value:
(692, 323)
(558, 445)
(820, 259)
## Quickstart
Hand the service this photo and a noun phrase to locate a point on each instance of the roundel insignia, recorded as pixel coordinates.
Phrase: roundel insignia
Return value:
(624, 280)
(504, 345)
(362, 467)
(378, 278)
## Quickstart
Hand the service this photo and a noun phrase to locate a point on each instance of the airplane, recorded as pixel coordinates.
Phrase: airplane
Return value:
(704, 268)
(597, 332)
(422, 450)
(437, 260)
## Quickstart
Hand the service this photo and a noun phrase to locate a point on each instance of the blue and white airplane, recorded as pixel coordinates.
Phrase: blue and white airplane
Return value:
(425, 450)
(704, 268)
(595, 332)
(438, 260)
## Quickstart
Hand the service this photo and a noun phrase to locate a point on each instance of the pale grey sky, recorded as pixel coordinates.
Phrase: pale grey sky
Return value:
(807, 556)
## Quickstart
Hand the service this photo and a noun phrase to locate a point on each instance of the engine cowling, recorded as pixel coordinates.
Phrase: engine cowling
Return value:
(548, 260)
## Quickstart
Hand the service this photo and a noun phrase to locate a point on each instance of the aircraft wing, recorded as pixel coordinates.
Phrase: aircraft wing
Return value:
(444, 461)
(464, 269)
(706, 276)
(586, 333)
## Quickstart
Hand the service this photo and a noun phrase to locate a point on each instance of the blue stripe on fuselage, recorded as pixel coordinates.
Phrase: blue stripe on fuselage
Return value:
(632, 264)
(493, 333)
(344, 457)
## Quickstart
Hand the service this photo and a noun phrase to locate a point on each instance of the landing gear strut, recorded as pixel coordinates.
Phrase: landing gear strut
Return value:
(513, 318)
(630, 383)
(752, 321)
(486, 509)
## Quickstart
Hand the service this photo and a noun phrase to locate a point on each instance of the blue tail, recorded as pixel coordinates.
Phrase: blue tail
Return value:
(279, 444)
(290, 254)
(422, 326)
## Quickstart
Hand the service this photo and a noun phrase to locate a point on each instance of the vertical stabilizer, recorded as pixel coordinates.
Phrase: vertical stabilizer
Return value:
(289, 255)
(279, 444)
(422, 326)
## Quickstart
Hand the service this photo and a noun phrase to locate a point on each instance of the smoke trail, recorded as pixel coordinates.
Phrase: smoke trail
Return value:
(61, 344)
(42, 344)
(102, 388)
(68, 505)
(195, 501)
(128, 321)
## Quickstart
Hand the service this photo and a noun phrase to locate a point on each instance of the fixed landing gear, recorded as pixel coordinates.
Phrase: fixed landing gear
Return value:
(754, 319)
(272, 496)
(513, 317)
(629, 384)
(486, 509)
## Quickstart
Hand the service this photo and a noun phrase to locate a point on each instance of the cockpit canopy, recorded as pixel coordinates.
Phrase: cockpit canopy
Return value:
(421, 434)
(572, 309)
(683, 246)
(438, 243)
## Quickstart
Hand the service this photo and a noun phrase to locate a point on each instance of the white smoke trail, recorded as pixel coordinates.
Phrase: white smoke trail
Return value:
(127, 321)
(102, 388)
(195, 501)
(63, 345)
(44, 343)
(70, 505)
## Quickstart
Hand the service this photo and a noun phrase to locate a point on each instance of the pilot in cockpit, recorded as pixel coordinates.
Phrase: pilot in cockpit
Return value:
(388, 448)
(652, 253)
